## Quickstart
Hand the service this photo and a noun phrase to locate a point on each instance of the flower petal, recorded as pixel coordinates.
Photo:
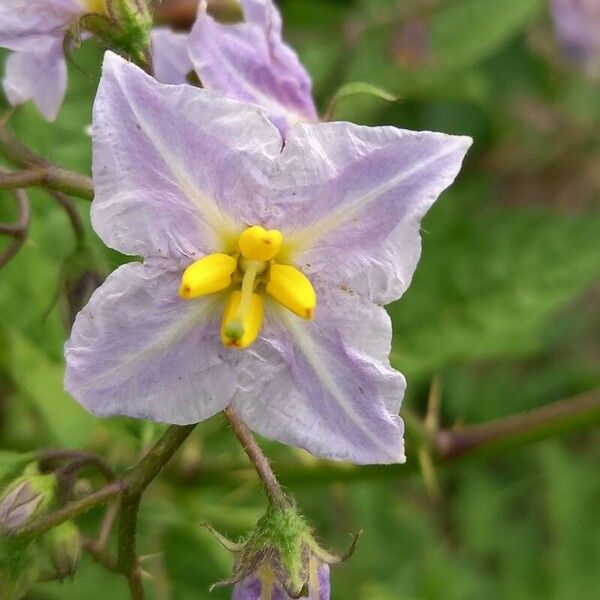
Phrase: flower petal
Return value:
(38, 76)
(137, 349)
(34, 25)
(171, 164)
(578, 28)
(321, 385)
(350, 200)
(170, 59)
(250, 61)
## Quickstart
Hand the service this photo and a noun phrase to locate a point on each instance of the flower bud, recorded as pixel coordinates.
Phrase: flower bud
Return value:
(25, 499)
(280, 560)
(123, 25)
(65, 545)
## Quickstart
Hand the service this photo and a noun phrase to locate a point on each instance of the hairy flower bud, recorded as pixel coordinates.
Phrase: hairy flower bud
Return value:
(280, 560)
(25, 499)
(65, 545)
(123, 25)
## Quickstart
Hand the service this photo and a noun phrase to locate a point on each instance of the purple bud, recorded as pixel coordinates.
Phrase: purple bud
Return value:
(24, 500)
(264, 585)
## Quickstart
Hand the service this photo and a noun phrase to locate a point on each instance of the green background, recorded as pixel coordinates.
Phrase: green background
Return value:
(503, 311)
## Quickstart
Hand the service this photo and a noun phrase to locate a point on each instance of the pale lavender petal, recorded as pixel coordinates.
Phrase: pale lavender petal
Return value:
(350, 200)
(38, 76)
(170, 59)
(33, 25)
(578, 28)
(251, 62)
(247, 589)
(319, 384)
(138, 350)
(251, 588)
(174, 166)
(324, 584)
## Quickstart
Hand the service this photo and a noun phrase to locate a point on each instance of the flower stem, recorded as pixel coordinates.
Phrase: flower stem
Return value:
(261, 463)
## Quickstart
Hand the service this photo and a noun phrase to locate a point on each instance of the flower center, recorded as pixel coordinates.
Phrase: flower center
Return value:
(249, 273)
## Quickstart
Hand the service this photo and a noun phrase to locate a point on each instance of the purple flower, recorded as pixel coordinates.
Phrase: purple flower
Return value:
(264, 585)
(265, 269)
(578, 28)
(247, 61)
(34, 30)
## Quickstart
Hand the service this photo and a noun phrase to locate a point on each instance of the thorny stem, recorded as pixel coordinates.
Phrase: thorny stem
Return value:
(134, 486)
(260, 462)
(447, 447)
(37, 171)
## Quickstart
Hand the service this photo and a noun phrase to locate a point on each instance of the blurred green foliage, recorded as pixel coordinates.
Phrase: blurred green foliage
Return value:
(503, 308)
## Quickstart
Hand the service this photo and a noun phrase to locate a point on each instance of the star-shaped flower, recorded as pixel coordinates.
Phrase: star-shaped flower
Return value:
(247, 61)
(266, 265)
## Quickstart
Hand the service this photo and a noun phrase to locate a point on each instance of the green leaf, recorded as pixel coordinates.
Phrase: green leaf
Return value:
(42, 381)
(357, 88)
(11, 463)
(469, 31)
(490, 281)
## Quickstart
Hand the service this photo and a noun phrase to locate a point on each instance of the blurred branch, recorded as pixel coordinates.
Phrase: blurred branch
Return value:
(72, 214)
(447, 446)
(37, 171)
(181, 14)
(257, 458)
(573, 414)
(17, 230)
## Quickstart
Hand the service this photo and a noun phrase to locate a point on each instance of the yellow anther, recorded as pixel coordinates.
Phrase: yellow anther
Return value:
(95, 6)
(207, 275)
(240, 330)
(256, 243)
(291, 287)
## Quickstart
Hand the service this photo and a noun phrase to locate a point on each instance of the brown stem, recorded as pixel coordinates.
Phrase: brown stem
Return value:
(72, 214)
(81, 457)
(141, 476)
(260, 462)
(18, 231)
(558, 417)
(72, 509)
(37, 171)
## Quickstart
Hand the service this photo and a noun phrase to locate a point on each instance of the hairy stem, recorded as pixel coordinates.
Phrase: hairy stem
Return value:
(260, 462)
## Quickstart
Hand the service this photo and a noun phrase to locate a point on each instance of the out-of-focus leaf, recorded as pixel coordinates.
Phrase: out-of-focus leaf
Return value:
(490, 281)
(11, 463)
(357, 88)
(469, 31)
(42, 381)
